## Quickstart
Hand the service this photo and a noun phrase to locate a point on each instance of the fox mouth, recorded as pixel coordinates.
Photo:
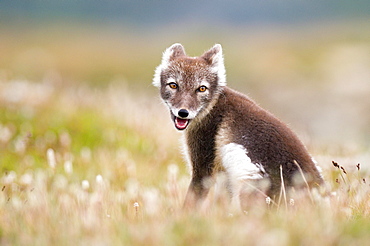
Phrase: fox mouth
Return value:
(180, 123)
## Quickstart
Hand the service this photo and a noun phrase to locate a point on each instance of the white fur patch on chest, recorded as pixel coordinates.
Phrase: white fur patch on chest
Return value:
(185, 153)
(237, 164)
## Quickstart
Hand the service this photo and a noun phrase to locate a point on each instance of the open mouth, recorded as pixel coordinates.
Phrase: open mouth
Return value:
(181, 124)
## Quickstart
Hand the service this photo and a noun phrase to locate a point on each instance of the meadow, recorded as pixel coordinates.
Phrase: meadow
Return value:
(89, 156)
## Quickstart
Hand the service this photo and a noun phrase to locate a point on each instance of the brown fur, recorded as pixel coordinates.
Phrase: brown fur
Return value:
(224, 116)
(269, 142)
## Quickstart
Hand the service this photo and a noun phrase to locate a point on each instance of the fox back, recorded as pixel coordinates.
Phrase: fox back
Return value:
(225, 131)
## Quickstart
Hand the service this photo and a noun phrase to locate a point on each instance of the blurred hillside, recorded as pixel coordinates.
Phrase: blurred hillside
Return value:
(307, 62)
(154, 13)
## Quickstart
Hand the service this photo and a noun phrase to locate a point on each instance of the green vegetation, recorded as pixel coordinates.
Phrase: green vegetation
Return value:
(98, 162)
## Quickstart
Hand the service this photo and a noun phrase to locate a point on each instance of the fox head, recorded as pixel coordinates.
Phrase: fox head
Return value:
(189, 85)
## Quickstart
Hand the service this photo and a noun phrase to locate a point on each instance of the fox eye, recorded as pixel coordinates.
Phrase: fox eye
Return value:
(173, 85)
(202, 88)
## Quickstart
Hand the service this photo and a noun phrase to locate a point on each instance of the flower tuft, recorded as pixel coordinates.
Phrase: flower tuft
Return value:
(51, 158)
(268, 200)
(68, 167)
(85, 184)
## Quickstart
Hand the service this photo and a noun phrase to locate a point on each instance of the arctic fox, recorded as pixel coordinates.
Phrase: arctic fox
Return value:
(225, 131)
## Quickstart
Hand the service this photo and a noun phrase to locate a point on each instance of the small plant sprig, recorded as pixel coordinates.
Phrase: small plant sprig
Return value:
(341, 169)
(136, 207)
(347, 180)
(358, 173)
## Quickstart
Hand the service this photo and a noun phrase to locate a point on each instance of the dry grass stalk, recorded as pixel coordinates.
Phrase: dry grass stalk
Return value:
(305, 181)
(282, 190)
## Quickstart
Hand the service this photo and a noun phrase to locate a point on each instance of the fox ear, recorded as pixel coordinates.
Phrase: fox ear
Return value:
(174, 51)
(215, 59)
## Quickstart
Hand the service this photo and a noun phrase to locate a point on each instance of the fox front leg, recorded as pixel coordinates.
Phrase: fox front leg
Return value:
(197, 192)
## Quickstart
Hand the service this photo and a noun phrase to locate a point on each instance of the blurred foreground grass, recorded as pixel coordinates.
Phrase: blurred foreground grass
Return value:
(85, 166)
(93, 164)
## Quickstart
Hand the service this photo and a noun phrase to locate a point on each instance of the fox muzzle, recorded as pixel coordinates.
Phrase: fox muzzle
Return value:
(183, 113)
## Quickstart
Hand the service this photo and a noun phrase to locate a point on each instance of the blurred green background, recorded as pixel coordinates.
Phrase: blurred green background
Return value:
(306, 61)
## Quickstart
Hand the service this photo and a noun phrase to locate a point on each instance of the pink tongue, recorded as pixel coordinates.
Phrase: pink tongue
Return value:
(181, 123)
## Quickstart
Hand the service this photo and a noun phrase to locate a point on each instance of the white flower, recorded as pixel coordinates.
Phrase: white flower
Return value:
(68, 167)
(85, 184)
(268, 200)
(26, 179)
(99, 179)
(9, 178)
(51, 158)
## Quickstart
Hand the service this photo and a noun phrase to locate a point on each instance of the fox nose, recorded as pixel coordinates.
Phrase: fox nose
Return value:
(183, 113)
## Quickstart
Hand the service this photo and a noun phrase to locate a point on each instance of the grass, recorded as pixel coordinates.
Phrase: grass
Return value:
(98, 163)
(117, 182)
